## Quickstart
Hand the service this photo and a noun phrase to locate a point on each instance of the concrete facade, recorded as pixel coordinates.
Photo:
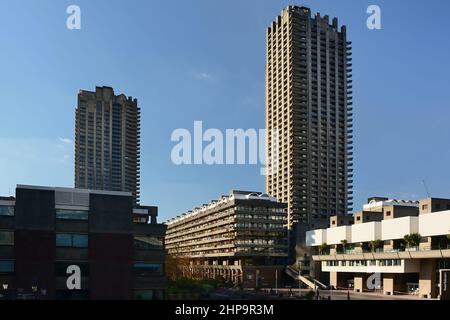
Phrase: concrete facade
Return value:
(240, 237)
(379, 249)
(107, 142)
(309, 109)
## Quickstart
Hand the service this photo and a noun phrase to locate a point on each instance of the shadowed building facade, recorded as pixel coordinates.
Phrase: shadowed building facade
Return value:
(118, 247)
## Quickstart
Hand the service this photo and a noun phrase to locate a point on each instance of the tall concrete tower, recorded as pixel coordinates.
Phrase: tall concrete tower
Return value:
(107, 142)
(309, 105)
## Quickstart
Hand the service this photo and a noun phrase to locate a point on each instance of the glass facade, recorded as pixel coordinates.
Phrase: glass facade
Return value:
(6, 238)
(72, 240)
(72, 214)
(148, 243)
(7, 211)
(6, 266)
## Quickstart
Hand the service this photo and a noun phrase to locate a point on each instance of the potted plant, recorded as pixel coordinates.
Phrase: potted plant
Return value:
(344, 244)
(323, 249)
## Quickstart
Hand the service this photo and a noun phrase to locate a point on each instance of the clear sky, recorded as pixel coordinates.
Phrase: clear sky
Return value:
(204, 60)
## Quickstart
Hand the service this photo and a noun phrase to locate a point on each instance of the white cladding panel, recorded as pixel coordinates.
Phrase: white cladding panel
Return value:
(366, 232)
(336, 235)
(398, 228)
(434, 224)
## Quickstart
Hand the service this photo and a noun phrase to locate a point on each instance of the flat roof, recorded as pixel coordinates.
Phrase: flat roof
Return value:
(65, 189)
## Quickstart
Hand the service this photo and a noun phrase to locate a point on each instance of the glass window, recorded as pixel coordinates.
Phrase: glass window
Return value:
(63, 240)
(72, 214)
(72, 240)
(80, 241)
(6, 211)
(6, 238)
(6, 266)
(148, 243)
(148, 269)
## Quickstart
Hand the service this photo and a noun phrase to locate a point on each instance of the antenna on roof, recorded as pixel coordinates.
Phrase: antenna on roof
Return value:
(426, 188)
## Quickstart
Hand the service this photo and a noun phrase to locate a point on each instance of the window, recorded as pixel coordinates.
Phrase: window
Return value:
(72, 240)
(425, 207)
(358, 218)
(148, 243)
(148, 269)
(6, 238)
(6, 266)
(388, 213)
(7, 211)
(72, 214)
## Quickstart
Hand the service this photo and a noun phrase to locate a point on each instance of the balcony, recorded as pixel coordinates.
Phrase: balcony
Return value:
(384, 254)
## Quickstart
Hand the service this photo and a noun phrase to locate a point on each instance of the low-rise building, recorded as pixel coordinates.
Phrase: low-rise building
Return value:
(240, 237)
(61, 243)
(397, 247)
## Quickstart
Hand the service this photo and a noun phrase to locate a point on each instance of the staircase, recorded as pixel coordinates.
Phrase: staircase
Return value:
(307, 280)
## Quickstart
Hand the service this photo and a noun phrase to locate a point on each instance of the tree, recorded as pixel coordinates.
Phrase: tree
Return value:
(344, 244)
(376, 244)
(412, 240)
(323, 248)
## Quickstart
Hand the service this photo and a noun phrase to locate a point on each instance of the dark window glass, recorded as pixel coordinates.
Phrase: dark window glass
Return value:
(148, 243)
(80, 241)
(72, 240)
(7, 211)
(6, 238)
(148, 269)
(72, 214)
(6, 266)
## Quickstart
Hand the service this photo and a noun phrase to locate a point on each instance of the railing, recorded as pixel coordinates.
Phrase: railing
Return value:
(397, 250)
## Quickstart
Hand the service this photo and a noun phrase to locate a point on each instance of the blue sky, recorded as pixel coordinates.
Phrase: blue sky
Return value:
(204, 60)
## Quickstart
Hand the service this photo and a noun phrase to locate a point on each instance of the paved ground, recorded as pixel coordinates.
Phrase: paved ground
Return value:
(296, 294)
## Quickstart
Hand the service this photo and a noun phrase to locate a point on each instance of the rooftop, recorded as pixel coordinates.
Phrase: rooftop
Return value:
(234, 195)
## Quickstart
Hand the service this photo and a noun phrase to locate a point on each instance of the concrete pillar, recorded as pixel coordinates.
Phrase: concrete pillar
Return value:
(360, 282)
(389, 284)
(427, 278)
(334, 279)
